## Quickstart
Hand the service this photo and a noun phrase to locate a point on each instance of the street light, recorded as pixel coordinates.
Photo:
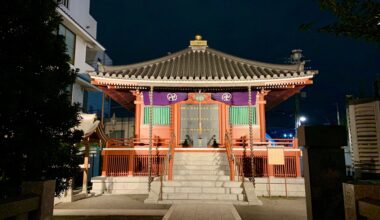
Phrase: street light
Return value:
(301, 119)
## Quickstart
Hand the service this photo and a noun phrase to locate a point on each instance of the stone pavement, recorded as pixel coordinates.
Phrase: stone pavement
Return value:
(275, 208)
(111, 205)
(202, 212)
(132, 207)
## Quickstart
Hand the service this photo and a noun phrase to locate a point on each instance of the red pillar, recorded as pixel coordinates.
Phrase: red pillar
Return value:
(137, 113)
(261, 104)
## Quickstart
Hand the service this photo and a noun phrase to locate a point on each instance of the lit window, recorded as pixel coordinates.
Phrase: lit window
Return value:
(69, 41)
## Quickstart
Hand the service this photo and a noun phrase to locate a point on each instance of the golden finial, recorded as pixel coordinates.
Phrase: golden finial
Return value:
(198, 43)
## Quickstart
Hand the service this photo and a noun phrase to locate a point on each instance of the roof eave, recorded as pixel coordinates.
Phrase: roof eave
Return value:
(280, 83)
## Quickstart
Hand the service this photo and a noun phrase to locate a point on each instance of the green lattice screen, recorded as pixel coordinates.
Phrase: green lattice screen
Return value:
(239, 115)
(161, 115)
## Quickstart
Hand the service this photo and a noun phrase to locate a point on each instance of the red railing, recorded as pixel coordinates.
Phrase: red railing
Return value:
(124, 162)
(137, 142)
(134, 162)
(244, 142)
(119, 165)
(262, 168)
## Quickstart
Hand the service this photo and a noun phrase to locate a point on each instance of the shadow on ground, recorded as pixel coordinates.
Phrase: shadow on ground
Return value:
(275, 209)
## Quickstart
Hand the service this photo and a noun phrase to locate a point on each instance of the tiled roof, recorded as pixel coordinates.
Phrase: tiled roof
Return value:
(202, 64)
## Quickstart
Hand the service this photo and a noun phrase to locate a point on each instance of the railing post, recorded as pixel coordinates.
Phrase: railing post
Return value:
(298, 164)
(105, 160)
(270, 171)
(298, 157)
(131, 164)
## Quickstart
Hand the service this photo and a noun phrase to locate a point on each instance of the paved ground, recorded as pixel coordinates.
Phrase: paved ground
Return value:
(202, 212)
(276, 209)
(112, 202)
(110, 207)
(132, 207)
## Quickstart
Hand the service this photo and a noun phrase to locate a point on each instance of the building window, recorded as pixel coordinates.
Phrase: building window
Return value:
(239, 115)
(161, 115)
(65, 3)
(69, 41)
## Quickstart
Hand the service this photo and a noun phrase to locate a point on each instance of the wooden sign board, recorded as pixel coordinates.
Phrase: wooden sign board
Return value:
(276, 156)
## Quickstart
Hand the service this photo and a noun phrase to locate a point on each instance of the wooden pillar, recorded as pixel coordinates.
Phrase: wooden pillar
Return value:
(85, 165)
(138, 103)
(177, 123)
(261, 104)
(102, 116)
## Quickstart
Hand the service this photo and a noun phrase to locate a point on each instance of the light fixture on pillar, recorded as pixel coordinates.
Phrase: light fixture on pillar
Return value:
(301, 120)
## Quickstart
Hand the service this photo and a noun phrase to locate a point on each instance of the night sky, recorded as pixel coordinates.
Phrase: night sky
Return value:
(267, 30)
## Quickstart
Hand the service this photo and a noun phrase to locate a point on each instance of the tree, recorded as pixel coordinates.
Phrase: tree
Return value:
(37, 138)
(359, 19)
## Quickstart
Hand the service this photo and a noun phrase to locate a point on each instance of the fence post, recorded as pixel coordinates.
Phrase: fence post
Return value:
(131, 164)
(105, 162)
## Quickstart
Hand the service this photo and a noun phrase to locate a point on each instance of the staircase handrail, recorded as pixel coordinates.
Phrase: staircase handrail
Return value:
(230, 156)
(167, 159)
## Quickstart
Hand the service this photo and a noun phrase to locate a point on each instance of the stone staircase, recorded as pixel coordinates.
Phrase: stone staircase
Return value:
(201, 177)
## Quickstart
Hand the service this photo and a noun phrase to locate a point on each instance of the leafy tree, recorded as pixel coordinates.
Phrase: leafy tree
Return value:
(358, 19)
(36, 117)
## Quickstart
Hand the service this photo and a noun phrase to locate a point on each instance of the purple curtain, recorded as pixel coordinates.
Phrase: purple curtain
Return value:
(164, 98)
(234, 98)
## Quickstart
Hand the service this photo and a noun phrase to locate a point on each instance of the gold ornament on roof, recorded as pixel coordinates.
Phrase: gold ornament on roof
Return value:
(198, 43)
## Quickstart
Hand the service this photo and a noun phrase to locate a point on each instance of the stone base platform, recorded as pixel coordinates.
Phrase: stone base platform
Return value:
(295, 187)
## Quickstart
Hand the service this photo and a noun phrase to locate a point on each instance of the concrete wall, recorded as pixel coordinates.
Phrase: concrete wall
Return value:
(120, 185)
(80, 55)
(79, 10)
(275, 186)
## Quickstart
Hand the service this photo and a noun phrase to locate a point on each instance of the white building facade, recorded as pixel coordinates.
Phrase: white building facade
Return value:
(363, 117)
(79, 29)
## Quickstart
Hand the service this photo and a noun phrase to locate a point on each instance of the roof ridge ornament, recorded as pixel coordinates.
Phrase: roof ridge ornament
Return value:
(198, 44)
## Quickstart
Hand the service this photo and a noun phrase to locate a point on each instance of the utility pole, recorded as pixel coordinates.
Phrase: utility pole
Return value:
(337, 113)
(296, 111)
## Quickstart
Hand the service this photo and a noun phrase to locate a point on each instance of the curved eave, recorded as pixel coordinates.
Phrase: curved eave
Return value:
(268, 82)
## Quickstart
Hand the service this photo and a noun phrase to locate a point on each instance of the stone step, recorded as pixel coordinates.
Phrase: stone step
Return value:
(197, 201)
(200, 153)
(203, 183)
(202, 177)
(127, 191)
(200, 162)
(200, 157)
(200, 172)
(203, 196)
(197, 190)
(204, 160)
(195, 155)
(200, 167)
